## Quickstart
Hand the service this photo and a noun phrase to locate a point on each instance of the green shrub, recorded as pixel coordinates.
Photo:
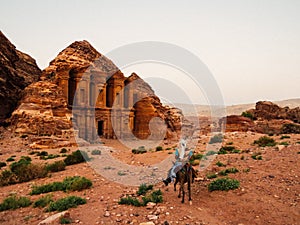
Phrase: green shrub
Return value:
(75, 183)
(96, 152)
(285, 143)
(140, 150)
(218, 138)
(76, 157)
(64, 220)
(7, 177)
(248, 115)
(56, 166)
(168, 149)
(220, 164)
(42, 153)
(211, 175)
(229, 143)
(10, 159)
(222, 151)
(155, 196)
(43, 201)
(144, 188)
(223, 184)
(196, 156)
(63, 150)
(256, 156)
(227, 171)
(159, 148)
(211, 153)
(265, 141)
(285, 137)
(66, 203)
(14, 202)
(130, 201)
(195, 162)
(2, 164)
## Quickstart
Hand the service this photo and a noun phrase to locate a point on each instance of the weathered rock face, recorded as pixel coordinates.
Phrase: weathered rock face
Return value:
(239, 123)
(100, 99)
(17, 71)
(268, 110)
(43, 111)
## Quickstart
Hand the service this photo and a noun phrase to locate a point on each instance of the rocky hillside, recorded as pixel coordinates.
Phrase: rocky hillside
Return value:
(18, 70)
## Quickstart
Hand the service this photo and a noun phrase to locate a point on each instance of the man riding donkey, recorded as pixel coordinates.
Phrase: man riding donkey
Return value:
(182, 157)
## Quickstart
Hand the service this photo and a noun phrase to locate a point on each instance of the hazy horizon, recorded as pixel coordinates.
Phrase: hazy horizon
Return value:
(251, 47)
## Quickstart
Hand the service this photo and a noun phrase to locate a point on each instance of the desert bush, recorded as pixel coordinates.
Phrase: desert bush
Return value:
(130, 201)
(220, 164)
(63, 150)
(285, 137)
(76, 157)
(42, 153)
(218, 138)
(265, 141)
(43, 201)
(248, 115)
(223, 184)
(2, 164)
(30, 172)
(96, 152)
(168, 148)
(211, 175)
(75, 183)
(64, 220)
(159, 148)
(196, 156)
(66, 203)
(56, 166)
(195, 162)
(229, 143)
(227, 171)
(285, 143)
(10, 159)
(140, 150)
(256, 156)
(290, 128)
(144, 188)
(14, 202)
(7, 177)
(155, 196)
(211, 152)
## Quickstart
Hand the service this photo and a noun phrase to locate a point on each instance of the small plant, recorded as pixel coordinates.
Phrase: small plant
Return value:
(14, 202)
(96, 152)
(56, 166)
(227, 171)
(195, 162)
(248, 115)
(64, 220)
(76, 157)
(242, 157)
(223, 184)
(121, 173)
(42, 153)
(256, 156)
(75, 183)
(285, 143)
(144, 188)
(196, 156)
(140, 150)
(211, 153)
(265, 141)
(159, 148)
(290, 128)
(66, 203)
(63, 150)
(218, 138)
(43, 201)
(10, 159)
(211, 175)
(229, 143)
(247, 170)
(130, 201)
(168, 148)
(220, 164)
(2, 164)
(285, 137)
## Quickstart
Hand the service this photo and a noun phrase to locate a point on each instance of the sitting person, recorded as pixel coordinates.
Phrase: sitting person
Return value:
(182, 158)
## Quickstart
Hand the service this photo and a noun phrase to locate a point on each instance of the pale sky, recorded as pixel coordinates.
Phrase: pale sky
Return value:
(252, 47)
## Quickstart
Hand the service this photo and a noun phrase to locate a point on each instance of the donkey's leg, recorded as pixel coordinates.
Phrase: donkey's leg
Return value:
(175, 183)
(180, 190)
(183, 193)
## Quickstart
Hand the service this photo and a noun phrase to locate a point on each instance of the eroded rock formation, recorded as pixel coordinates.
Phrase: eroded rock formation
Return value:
(17, 71)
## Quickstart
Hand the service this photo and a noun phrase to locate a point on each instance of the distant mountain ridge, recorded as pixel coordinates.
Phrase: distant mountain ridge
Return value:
(204, 110)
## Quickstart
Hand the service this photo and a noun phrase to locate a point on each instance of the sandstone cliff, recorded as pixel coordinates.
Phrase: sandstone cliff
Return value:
(17, 71)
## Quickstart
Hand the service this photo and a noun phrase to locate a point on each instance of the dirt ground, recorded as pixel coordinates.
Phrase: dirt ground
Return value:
(269, 191)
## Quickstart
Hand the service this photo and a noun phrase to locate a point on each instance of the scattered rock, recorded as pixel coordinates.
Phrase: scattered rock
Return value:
(147, 223)
(54, 217)
(152, 217)
(150, 205)
(106, 214)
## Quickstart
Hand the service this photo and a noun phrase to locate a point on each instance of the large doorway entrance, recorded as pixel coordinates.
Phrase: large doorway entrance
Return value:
(100, 127)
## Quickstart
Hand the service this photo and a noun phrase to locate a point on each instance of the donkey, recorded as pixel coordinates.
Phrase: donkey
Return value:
(185, 175)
